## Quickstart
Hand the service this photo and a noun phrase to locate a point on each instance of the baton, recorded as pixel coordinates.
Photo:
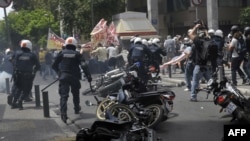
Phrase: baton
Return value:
(50, 84)
(91, 88)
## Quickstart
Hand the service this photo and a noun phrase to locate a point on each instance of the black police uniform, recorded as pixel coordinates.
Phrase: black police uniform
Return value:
(67, 65)
(26, 64)
(140, 53)
(156, 58)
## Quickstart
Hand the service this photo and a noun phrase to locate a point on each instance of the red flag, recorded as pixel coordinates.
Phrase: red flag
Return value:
(111, 35)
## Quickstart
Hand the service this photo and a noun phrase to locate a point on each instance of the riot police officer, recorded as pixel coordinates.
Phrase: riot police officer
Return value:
(156, 53)
(25, 64)
(139, 53)
(67, 65)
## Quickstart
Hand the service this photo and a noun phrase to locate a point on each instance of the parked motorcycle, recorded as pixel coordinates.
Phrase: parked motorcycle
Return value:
(229, 98)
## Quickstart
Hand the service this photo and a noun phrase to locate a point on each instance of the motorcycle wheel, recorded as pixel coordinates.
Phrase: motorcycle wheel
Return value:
(123, 112)
(102, 107)
(156, 117)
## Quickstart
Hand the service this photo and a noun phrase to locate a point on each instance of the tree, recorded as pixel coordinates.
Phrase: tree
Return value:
(31, 25)
(245, 17)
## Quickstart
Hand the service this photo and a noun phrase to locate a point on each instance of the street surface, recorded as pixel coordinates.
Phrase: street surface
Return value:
(189, 121)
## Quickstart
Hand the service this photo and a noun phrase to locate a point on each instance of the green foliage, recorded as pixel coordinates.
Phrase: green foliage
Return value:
(32, 25)
(32, 18)
(245, 17)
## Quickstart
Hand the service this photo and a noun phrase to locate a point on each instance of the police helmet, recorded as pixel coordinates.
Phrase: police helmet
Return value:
(235, 29)
(137, 40)
(26, 44)
(156, 41)
(70, 41)
(211, 31)
(145, 42)
(247, 31)
(7, 51)
(219, 33)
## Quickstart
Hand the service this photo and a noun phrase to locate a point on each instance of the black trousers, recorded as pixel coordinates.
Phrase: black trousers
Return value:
(68, 82)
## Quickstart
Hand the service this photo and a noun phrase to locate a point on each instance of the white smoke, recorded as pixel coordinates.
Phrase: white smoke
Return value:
(3, 76)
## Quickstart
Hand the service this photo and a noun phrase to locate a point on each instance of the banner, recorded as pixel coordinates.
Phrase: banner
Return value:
(104, 34)
(54, 41)
(112, 36)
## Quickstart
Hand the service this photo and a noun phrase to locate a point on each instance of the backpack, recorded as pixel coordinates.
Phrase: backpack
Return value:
(209, 51)
(241, 48)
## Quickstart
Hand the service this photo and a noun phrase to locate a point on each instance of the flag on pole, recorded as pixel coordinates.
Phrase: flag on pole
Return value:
(54, 41)
(104, 34)
(111, 35)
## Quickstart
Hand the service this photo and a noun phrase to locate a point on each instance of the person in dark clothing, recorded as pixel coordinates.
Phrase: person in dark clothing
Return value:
(140, 54)
(25, 64)
(156, 54)
(236, 57)
(198, 35)
(7, 65)
(67, 65)
(48, 65)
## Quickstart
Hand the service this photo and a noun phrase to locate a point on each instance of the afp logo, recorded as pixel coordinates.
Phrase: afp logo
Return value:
(236, 132)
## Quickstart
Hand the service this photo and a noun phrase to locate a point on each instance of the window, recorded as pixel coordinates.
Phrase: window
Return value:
(177, 5)
(229, 3)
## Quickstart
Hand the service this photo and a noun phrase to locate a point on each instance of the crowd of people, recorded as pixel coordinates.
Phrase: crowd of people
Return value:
(198, 55)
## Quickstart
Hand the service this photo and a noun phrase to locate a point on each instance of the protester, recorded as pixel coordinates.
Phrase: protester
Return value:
(199, 35)
(101, 53)
(236, 58)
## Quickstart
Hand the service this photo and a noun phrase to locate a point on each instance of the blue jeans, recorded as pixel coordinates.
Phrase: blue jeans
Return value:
(198, 73)
(189, 68)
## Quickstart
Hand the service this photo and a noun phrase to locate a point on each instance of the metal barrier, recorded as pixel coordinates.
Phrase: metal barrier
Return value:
(46, 104)
(169, 71)
(37, 96)
(7, 81)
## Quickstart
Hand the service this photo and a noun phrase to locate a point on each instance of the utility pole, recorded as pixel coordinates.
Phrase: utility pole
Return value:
(92, 13)
(7, 28)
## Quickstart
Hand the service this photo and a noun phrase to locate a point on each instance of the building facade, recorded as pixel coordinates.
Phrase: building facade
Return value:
(172, 17)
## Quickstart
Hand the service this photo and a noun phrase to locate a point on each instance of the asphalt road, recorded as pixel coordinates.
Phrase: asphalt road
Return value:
(189, 121)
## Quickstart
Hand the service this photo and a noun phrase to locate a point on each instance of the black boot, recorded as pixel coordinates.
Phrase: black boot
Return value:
(64, 118)
(14, 104)
(10, 99)
(20, 104)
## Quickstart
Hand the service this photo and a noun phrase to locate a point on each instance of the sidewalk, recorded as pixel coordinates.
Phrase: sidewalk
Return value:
(30, 124)
(178, 79)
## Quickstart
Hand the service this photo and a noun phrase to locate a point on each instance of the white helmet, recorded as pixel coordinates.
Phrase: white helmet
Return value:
(26, 44)
(7, 51)
(210, 31)
(149, 42)
(137, 40)
(132, 39)
(156, 41)
(71, 41)
(145, 42)
(219, 33)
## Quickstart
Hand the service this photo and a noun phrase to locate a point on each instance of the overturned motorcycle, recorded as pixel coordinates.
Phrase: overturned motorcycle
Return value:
(116, 130)
(229, 98)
